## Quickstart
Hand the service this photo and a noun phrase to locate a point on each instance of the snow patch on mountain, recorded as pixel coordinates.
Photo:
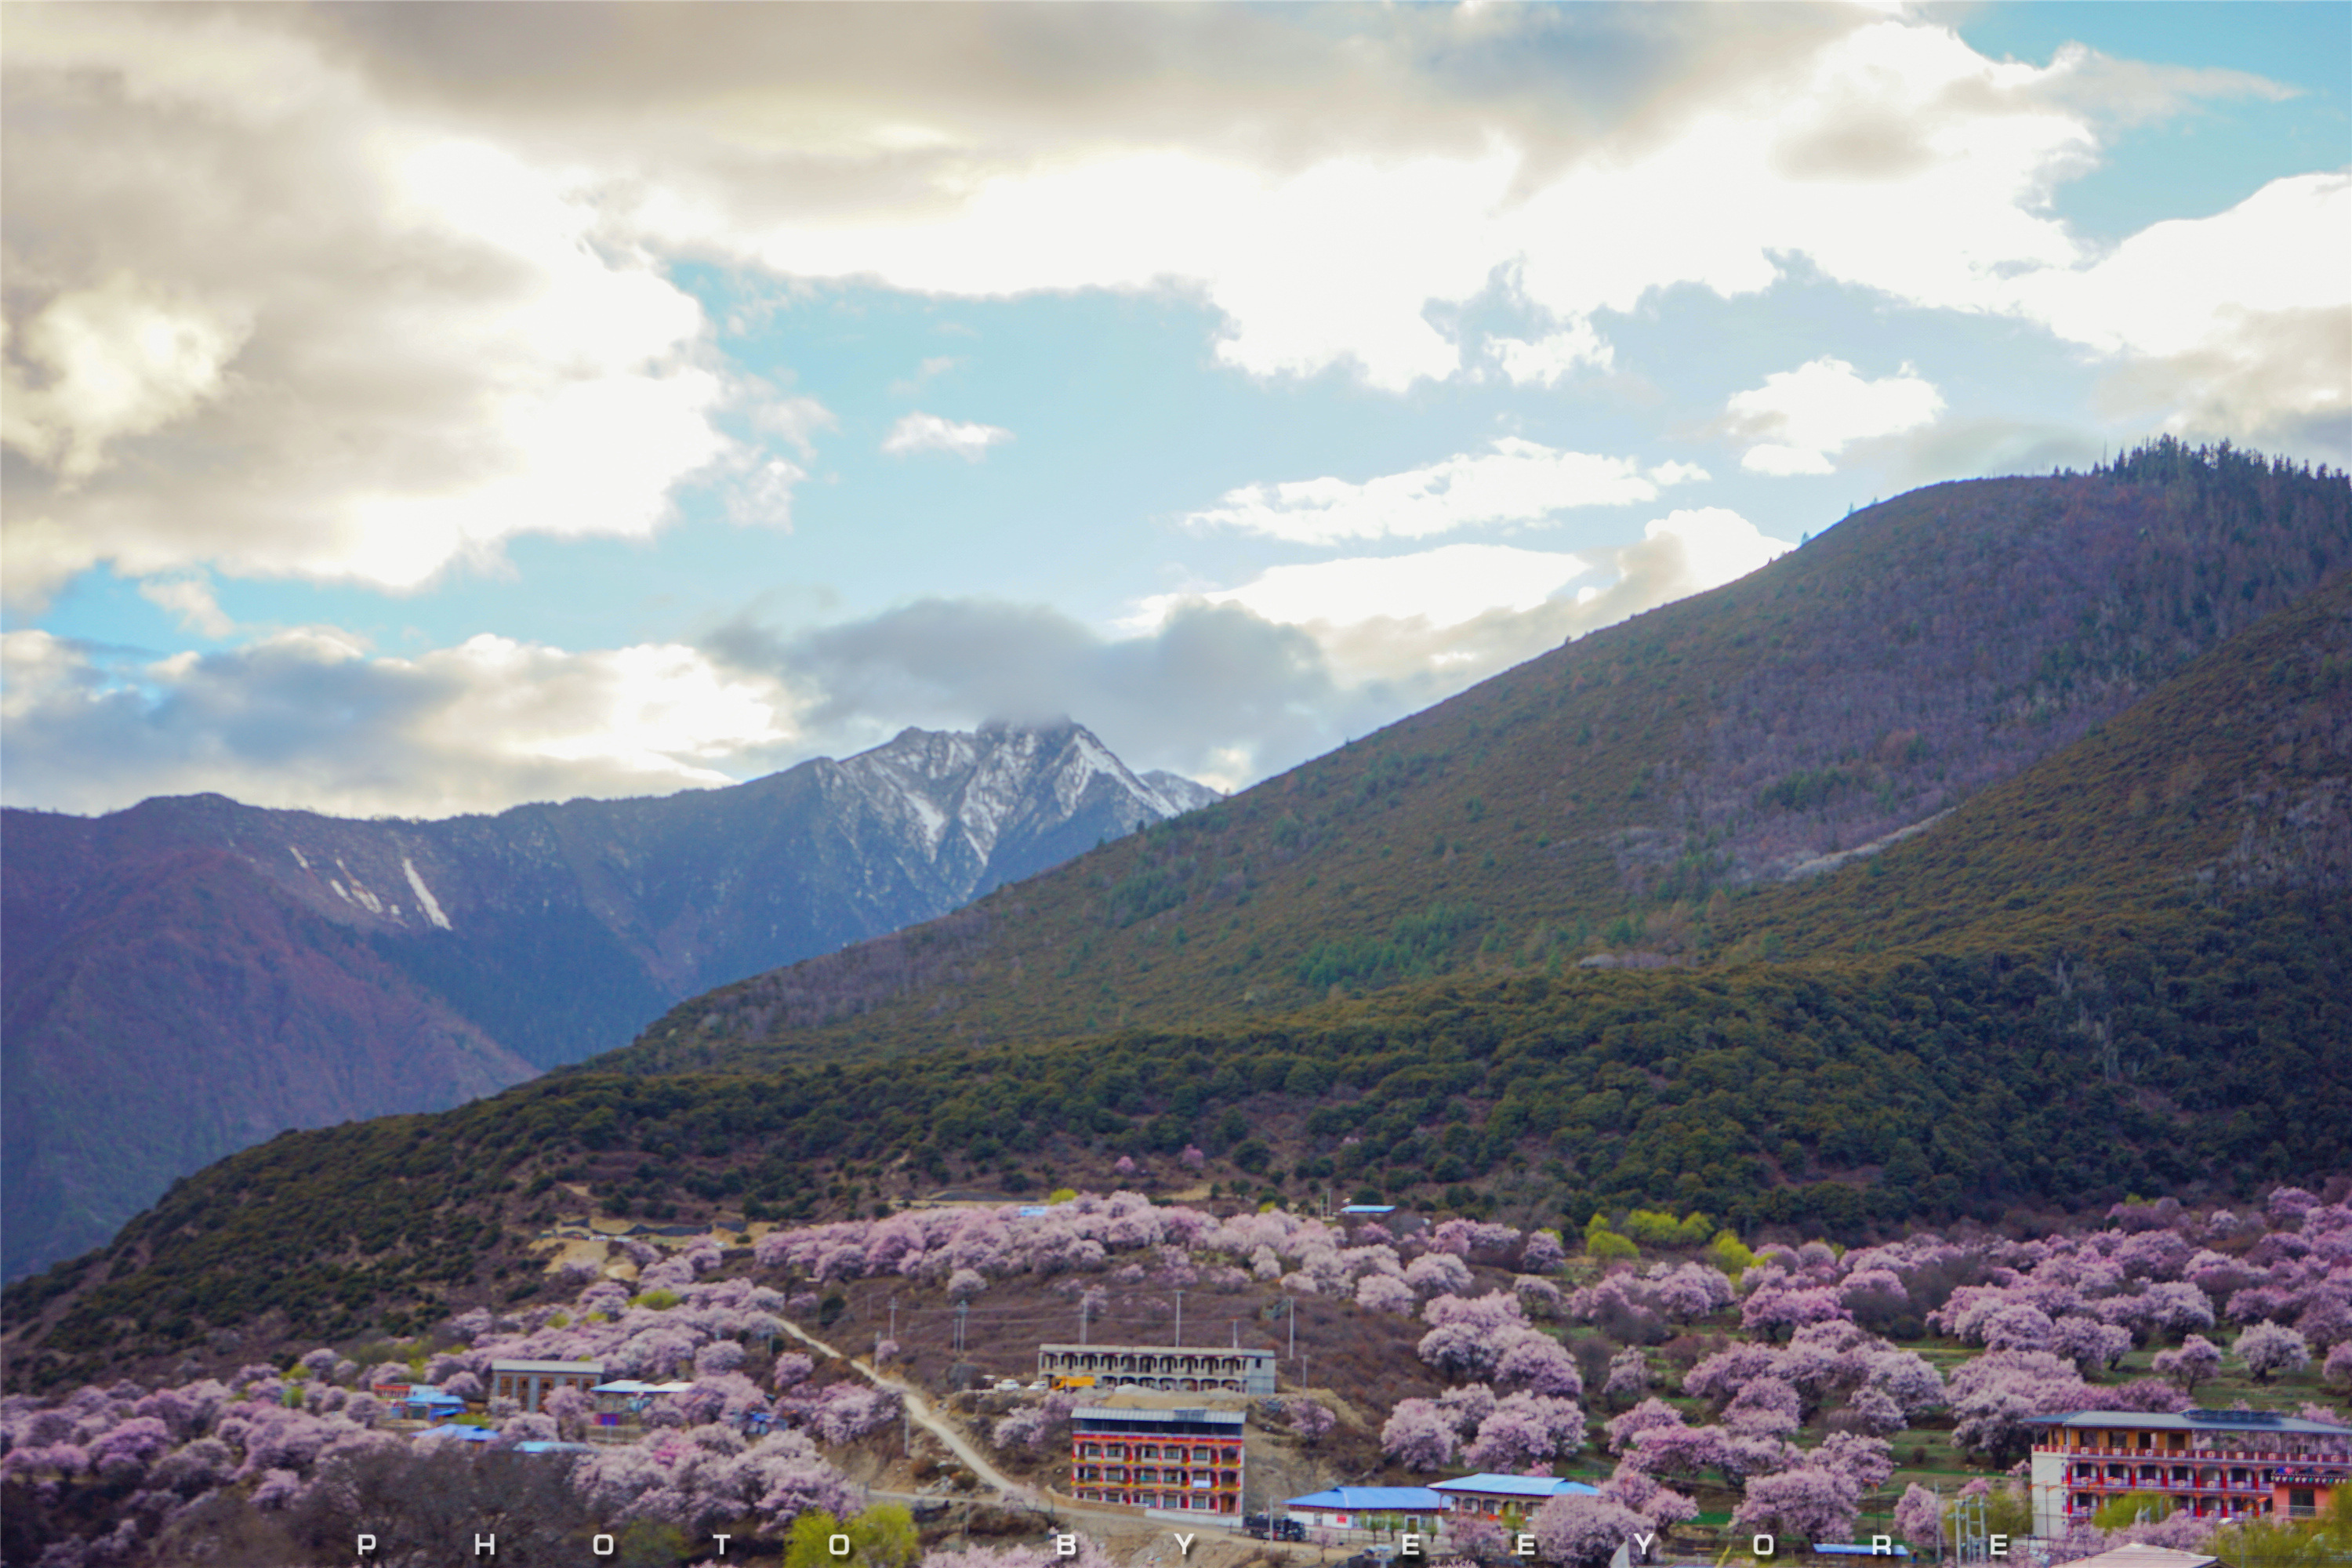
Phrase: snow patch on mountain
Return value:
(432, 905)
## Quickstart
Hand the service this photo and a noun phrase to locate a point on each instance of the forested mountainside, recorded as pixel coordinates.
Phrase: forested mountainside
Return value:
(191, 975)
(1597, 799)
(2118, 969)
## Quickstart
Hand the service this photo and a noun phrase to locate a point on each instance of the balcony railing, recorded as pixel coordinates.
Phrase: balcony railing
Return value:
(2326, 1457)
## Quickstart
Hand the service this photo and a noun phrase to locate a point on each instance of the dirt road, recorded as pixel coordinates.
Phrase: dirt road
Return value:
(1059, 1512)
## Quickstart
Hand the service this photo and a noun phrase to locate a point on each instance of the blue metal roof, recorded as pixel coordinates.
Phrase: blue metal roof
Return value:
(1371, 1499)
(1488, 1484)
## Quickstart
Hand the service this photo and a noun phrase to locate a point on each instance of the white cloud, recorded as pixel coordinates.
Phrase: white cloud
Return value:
(119, 359)
(1706, 546)
(1266, 676)
(936, 366)
(2239, 325)
(1886, 152)
(190, 600)
(1516, 481)
(1463, 612)
(265, 322)
(310, 717)
(191, 193)
(930, 433)
(764, 496)
(1820, 407)
(1550, 360)
(2178, 286)
(1445, 586)
(2133, 92)
(795, 420)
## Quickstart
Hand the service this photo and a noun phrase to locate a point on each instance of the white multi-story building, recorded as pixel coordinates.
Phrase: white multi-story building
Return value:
(1167, 1368)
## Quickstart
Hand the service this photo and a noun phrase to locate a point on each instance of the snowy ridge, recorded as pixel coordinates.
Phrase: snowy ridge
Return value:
(957, 799)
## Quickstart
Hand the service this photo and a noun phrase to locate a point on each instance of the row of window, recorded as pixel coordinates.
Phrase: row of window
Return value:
(1230, 1453)
(1211, 1504)
(1173, 1384)
(1148, 1476)
(1081, 1360)
(2180, 1475)
(2086, 1503)
(2267, 1446)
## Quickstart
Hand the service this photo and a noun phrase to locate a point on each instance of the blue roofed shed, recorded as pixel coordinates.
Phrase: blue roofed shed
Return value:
(1345, 1508)
(425, 1403)
(1494, 1496)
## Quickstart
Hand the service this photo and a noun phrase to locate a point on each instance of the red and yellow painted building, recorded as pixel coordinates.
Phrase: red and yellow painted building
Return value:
(1186, 1460)
(2211, 1464)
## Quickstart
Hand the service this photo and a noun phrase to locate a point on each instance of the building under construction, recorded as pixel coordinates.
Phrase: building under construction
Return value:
(1166, 1368)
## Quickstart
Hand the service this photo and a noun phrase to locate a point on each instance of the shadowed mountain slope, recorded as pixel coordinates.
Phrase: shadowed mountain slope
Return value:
(191, 975)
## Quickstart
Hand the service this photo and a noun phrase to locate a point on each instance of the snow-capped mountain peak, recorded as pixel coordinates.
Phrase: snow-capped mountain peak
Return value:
(990, 806)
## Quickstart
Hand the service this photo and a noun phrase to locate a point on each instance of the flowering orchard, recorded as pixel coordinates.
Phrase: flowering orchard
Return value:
(1805, 1369)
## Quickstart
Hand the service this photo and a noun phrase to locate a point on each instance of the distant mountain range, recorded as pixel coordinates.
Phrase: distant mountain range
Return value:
(1990, 856)
(191, 975)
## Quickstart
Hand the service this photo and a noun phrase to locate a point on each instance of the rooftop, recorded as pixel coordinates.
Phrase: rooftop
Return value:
(1370, 1500)
(2196, 1421)
(1122, 1417)
(2146, 1557)
(1487, 1483)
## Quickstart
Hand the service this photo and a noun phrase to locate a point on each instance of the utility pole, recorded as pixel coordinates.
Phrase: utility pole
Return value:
(1969, 1536)
(1290, 1310)
(1086, 1308)
(894, 1317)
(1180, 1320)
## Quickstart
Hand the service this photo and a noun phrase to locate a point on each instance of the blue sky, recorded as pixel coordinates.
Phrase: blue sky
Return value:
(412, 410)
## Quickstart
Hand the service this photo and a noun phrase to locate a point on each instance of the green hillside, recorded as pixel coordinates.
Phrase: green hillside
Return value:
(2118, 971)
(1602, 797)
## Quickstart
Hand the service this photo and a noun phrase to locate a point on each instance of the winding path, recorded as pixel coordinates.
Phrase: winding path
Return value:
(1060, 1509)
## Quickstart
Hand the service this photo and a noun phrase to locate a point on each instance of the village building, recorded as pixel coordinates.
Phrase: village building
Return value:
(2210, 1464)
(1505, 1498)
(1187, 1459)
(1167, 1368)
(1408, 1509)
(2147, 1557)
(528, 1382)
(425, 1402)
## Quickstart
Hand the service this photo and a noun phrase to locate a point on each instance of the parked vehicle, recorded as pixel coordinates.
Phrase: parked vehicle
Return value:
(1259, 1526)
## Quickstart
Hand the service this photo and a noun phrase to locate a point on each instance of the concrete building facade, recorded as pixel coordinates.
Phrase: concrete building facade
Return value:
(528, 1382)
